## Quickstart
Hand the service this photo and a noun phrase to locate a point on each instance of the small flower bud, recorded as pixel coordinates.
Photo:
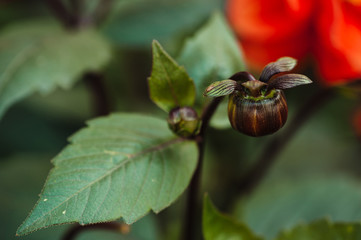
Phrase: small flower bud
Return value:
(184, 121)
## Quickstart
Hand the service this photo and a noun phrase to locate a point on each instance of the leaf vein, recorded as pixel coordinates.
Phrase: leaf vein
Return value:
(150, 158)
(122, 164)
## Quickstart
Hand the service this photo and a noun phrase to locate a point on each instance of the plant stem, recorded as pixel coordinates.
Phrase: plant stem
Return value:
(74, 231)
(96, 84)
(102, 10)
(192, 216)
(272, 150)
(77, 7)
(60, 12)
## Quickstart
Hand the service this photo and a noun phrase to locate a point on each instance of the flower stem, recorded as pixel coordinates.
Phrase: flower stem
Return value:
(95, 82)
(257, 172)
(74, 231)
(61, 13)
(102, 10)
(192, 216)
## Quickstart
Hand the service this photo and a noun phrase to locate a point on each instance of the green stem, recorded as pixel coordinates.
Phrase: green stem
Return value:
(193, 214)
(61, 13)
(74, 231)
(77, 7)
(96, 84)
(102, 11)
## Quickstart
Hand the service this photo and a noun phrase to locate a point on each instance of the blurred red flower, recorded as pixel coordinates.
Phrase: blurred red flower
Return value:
(330, 30)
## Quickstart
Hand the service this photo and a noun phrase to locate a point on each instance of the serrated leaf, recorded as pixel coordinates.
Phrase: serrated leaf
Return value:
(217, 226)
(323, 229)
(123, 165)
(169, 84)
(211, 54)
(40, 56)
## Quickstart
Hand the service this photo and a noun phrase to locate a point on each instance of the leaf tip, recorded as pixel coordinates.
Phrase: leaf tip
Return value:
(25, 228)
(156, 45)
(206, 196)
(207, 203)
(21, 231)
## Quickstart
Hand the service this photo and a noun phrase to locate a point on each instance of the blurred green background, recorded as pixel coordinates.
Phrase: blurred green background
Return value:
(317, 175)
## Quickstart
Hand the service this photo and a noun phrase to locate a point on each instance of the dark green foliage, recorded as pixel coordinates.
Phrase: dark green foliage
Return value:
(123, 166)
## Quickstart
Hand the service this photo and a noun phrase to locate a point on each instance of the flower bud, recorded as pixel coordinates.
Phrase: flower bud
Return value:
(257, 116)
(258, 107)
(184, 121)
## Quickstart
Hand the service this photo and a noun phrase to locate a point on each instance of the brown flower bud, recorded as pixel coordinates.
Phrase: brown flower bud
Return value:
(257, 116)
(258, 107)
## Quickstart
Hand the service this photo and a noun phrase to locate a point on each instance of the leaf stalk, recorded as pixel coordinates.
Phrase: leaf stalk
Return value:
(193, 215)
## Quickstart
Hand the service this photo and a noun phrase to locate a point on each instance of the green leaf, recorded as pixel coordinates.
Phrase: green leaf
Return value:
(169, 84)
(217, 226)
(211, 54)
(136, 23)
(283, 204)
(40, 56)
(123, 165)
(321, 230)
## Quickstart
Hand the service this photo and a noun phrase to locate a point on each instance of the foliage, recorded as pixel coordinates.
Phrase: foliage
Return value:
(204, 61)
(39, 56)
(218, 226)
(323, 230)
(63, 62)
(169, 85)
(120, 166)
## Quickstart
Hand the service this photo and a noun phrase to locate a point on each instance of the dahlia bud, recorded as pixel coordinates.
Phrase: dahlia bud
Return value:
(258, 107)
(184, 121)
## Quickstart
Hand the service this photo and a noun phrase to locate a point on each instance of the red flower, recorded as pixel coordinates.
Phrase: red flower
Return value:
(330, 30)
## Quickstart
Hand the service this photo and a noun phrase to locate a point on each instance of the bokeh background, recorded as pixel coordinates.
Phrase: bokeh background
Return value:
(316, 175)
